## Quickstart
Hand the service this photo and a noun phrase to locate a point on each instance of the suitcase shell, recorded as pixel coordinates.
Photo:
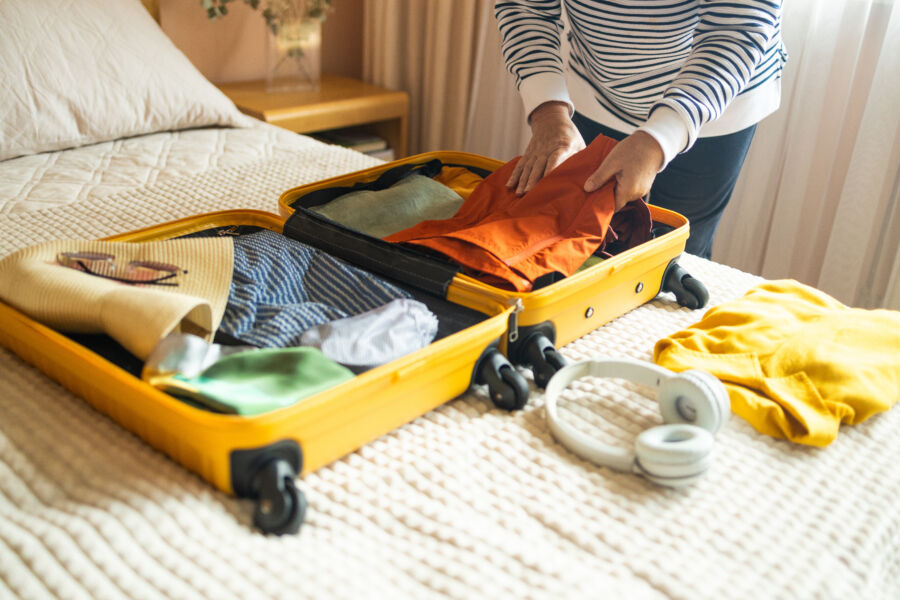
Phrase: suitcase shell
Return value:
(567, 309)
(230, 451)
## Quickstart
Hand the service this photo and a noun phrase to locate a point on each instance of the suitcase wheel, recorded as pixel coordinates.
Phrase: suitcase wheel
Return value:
(544, 358)
(507, 387)
(689, 292)
(280, 506)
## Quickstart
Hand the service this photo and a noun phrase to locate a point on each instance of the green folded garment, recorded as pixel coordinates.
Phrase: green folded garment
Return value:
(380, 213)
(257, 381)
(590, 262)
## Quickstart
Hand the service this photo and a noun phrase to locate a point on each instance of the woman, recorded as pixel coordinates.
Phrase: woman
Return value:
(682, 84)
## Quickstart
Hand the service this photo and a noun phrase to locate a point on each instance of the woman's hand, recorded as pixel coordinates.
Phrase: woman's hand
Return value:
(634, 162)
(554, 138)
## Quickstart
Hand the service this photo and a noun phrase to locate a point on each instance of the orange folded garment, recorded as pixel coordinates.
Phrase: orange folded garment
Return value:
(510, 240)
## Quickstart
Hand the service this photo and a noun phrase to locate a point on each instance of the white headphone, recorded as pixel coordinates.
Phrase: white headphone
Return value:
(694, 404)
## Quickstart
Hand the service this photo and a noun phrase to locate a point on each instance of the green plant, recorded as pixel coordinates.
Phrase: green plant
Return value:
(275, 12)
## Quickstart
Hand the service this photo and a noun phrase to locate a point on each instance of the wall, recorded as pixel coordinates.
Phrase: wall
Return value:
(231, 48)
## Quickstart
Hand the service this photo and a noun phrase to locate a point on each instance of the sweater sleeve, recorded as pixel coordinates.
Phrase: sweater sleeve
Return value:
(730, 41)
(531, 36)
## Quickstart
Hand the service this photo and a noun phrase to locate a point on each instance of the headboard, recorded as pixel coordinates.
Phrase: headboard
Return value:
(152, 7)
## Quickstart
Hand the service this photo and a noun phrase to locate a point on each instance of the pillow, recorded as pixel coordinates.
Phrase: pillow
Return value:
(83, 72)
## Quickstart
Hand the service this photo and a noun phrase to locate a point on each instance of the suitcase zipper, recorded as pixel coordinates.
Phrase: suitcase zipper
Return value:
(513, 329)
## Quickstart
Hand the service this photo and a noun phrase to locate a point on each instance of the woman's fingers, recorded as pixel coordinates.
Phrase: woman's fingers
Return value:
(553, 139)
(634, 163)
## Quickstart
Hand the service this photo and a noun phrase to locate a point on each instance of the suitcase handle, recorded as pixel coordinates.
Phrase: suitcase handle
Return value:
(384, 181)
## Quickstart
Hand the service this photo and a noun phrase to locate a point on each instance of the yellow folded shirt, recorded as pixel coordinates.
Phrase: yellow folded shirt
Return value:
(459, 179)
(796, 362)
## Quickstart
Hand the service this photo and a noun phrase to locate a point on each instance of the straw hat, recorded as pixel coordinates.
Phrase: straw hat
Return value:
(137, 316)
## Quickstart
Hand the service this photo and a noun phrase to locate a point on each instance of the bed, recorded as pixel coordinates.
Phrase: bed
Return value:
(467, 501)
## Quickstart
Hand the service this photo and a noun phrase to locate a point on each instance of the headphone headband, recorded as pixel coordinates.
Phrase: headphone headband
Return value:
(674, 454)
(637, 371)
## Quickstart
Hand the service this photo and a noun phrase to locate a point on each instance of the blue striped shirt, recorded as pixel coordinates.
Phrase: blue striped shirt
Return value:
(624, 60)
(281, 287)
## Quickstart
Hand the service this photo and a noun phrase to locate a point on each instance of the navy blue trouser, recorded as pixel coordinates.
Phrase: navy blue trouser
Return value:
(697, 183)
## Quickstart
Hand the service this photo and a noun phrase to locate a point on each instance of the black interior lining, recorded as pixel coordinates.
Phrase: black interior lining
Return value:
(393, 261)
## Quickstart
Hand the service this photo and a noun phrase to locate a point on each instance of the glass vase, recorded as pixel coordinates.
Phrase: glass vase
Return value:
(294, 55)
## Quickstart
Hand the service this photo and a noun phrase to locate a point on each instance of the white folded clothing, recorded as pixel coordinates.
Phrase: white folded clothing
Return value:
(375, 337)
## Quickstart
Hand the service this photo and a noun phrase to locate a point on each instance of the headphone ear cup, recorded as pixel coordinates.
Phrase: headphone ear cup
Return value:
(673, 455)
(695, 397)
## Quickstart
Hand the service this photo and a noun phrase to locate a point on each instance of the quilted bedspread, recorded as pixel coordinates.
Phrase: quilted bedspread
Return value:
(467, 501)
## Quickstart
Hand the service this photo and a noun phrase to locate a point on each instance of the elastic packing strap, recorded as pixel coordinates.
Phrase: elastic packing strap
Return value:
(385, 180)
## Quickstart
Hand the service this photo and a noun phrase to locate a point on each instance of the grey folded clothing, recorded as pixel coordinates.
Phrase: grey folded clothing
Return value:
(380, 213)
(376, 337)
(187, 355)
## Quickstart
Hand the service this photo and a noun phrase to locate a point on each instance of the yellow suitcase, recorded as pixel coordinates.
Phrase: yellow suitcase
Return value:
(544, 318)
(260, 456)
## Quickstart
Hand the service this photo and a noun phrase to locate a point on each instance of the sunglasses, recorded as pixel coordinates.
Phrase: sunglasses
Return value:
(134, 272)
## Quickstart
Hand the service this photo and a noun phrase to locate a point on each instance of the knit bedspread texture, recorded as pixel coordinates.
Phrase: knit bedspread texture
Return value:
(466, 501)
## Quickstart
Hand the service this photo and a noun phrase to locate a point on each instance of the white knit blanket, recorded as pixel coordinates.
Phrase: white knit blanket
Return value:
(465, 502)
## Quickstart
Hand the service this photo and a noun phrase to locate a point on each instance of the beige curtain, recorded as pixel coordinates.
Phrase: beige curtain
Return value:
(817, 200)
(446, 55)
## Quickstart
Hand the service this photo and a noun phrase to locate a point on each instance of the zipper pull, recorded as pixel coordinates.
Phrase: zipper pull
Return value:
(232, 230)
(513, 331)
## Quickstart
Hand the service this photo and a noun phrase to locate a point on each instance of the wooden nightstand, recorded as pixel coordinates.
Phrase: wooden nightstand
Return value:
(339, 102)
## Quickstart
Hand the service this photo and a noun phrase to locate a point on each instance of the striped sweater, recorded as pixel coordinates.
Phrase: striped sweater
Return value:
(669, 67)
